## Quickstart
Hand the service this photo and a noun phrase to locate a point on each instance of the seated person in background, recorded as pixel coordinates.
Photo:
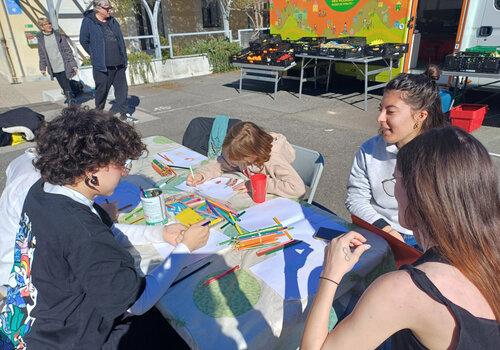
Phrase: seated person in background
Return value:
(447, 192)
(249, 149)
(410, 105)
(76, 286)
(434, 73)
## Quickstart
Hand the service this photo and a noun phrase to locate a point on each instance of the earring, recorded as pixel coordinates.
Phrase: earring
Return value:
(415, 126)
(94, 180)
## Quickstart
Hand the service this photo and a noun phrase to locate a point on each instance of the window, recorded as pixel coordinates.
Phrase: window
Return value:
(497, 4)
(211, 13)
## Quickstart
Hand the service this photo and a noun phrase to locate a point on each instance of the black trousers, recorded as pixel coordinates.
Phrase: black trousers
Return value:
(148, 331)
(104, 80)
(63, 83)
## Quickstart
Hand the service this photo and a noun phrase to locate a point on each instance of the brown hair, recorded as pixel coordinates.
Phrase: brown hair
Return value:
(420, 93)
(452, 186)
(433, 72)
(247, 139)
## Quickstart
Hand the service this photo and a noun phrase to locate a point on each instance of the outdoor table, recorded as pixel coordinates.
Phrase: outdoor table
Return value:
(306, 59)
(246, 313)
(262, 73)
(457, 75)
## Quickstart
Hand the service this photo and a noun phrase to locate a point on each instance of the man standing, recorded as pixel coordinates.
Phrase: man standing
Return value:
(102, 38)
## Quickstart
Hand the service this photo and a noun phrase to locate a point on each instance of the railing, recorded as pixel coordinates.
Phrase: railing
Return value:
(170, 36)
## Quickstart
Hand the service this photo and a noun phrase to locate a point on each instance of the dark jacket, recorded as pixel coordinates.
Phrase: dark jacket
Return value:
(92, 40)
(66, 53)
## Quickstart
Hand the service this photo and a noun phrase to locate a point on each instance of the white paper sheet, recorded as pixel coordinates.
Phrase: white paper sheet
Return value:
(214, 188)
(260, 216)
(303, 263)
(183, 156)
(212, 247)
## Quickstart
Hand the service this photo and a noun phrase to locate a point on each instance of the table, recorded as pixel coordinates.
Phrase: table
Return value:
(306, 59)
(264, 318)
(457, 75)
(262, 73)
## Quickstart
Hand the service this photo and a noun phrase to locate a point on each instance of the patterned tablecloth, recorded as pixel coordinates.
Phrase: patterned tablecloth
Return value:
(242, 311)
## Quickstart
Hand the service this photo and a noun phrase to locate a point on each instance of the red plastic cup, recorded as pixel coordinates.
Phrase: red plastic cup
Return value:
(259, 184)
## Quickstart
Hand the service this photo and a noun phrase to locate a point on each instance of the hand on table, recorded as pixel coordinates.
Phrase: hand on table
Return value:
(196, 180)
(393, 232)
(339, 258)
(196, 236)
(43, 72)
(173, 233)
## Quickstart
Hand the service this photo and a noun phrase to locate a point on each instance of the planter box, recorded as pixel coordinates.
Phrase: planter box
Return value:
(171, 69)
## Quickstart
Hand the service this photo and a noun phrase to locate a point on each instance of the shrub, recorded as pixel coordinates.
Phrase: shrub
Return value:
(218, 51)
(139, 65)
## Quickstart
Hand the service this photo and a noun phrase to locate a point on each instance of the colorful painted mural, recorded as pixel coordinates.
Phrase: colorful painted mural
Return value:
(377, 20)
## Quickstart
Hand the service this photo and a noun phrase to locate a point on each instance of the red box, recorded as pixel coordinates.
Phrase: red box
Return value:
(468, 116)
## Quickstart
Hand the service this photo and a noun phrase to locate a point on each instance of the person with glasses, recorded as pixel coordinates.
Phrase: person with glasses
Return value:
(56, 57)
(73, 284)
(410, 105)
(447, 192)
(102, 39)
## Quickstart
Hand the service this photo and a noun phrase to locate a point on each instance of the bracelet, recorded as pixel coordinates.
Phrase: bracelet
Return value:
(328, 279)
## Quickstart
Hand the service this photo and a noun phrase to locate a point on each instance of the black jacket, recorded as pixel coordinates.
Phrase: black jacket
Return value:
(92, 40)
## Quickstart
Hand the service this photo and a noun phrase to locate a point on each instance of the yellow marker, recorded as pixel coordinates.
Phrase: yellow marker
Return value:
(286, 232)
(215, 221)
(235, 224)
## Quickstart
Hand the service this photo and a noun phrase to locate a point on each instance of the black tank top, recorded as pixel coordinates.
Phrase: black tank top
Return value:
(473, 332)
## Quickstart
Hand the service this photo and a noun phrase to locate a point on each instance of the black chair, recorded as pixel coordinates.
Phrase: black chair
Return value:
(198, 132)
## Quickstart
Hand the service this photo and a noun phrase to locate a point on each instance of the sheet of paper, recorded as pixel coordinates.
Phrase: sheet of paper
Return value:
(294, 271)
(219, 188)
(261, 215)
(183, 156)
(212, 247)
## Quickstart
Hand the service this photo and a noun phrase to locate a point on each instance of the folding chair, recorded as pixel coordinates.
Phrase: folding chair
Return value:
(309, 165)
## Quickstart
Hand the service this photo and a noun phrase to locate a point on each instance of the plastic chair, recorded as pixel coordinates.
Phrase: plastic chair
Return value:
(309, 165)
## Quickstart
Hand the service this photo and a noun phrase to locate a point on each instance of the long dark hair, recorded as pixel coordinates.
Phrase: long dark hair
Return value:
(421, 93)
(81, 140)
(452, 188)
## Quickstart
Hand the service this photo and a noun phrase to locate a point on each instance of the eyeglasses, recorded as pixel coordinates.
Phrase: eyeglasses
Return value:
(388, 185)
(107, 9)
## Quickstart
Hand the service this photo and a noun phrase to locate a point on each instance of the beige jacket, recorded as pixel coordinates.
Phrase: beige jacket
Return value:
(282, 179)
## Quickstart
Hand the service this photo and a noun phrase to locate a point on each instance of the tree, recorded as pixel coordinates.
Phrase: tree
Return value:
(254, 9)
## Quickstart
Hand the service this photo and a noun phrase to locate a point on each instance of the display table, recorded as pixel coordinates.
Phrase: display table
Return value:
(248, 309)
(357, 62)
(262, 73)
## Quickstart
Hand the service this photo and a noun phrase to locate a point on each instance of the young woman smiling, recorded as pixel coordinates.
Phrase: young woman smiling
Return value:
(410, 105)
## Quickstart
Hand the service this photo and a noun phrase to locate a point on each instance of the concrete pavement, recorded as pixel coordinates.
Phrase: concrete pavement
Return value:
(332, 123)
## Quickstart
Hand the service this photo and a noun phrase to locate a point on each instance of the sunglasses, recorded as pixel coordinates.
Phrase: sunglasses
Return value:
(109, 8)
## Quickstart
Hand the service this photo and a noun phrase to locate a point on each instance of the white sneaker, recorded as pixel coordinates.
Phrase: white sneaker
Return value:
(126, 117)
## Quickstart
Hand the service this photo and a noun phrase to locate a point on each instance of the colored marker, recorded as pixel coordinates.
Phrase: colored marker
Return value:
(278, 247)
(218, 277)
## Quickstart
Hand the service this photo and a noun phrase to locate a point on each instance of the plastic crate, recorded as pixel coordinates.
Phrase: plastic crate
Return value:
(468, 116)
(353, 40)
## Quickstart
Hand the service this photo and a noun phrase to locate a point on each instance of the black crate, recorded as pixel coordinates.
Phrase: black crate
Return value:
(308, 49)
(395, 49)
(312, 39)
(452, 63)
(490, 65)
(354, 52)
(470, 63)
(353, 40)
(375, 50)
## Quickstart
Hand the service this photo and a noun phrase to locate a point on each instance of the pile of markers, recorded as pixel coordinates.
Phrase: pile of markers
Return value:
(268, 238)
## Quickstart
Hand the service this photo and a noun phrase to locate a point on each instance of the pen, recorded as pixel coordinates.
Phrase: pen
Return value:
(190, 274)
(133, 213)
(191, 169)
(219, 276)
